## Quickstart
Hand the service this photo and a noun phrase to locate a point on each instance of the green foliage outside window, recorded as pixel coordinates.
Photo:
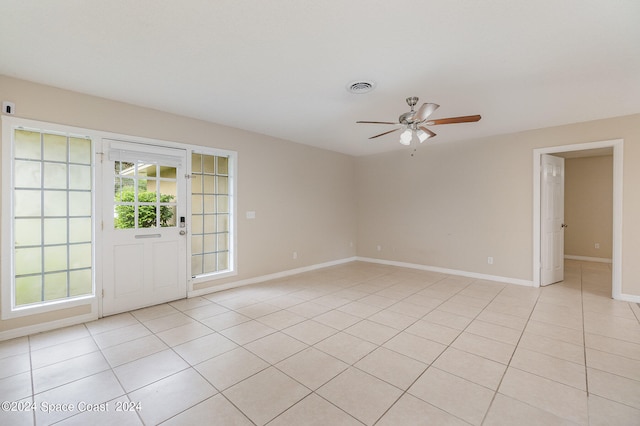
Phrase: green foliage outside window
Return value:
(125, 214)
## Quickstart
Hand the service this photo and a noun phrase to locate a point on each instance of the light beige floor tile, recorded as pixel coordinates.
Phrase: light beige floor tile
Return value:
(116, 413)
(448, 319)
(332, 301)
(94, 389)
(266, 395)
(502, 306)
(410, 410)
(613, 346)
(392, 319)
(461, 309)
(556, 331)
(310, 332)
(184, 333)
(615, 364)
(57, 337)
(285, 301)
(16, 387)
(337, 319)
(604, 412)
(372, 332)
(309, 309)
(506, 411)
(432, 331)
(258, 310)
(487, 348)
(613, 387)
(453, 394)
(135, 349)
(312, 367)
(203, 348)
(471, 367)
(16, 364)
(424, 301)
(167, 322)
(346, 347)
(172, 395)
(121, 335)
(281, 319)
(552, 368)
(275, 347)
(223, 321)
(552, 347)
(363, 396)
(378, 301)
(494, 331)
(407, 307)
(314, 411)
(62, 352)
(191, 303)
(416, 347)
(13, 347)
(359, 309)
(471, 301)
(231, 367)
(153, 312)
(392, 367)
(505, 320)
(201, 414)
(247, 332)
(205, 311)
(562, 400)
(64, 372)
(149, 369)
(110, 323)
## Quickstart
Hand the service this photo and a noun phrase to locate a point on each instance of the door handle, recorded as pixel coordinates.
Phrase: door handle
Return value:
(564, 225)
(183, 232)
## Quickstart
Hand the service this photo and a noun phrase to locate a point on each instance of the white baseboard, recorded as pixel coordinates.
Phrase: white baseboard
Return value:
(47, 326)
(588, 259)
(268, 277)
(629, 298)
(475, 275)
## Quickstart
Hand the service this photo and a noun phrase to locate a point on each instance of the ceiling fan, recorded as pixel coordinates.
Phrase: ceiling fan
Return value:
(414, 122)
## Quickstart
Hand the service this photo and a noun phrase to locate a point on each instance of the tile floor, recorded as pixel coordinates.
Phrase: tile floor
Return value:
(348, 345)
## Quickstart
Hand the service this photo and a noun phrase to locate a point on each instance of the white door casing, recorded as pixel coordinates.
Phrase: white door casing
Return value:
(552, 219)
(144, 265)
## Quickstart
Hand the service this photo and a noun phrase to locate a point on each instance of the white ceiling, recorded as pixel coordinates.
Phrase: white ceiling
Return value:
(281, 67)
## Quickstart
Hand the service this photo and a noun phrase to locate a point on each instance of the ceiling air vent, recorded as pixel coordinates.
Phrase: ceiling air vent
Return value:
(360, 87)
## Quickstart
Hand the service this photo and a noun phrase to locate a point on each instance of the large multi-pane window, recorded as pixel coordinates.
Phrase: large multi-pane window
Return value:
(210, 214)
(52, 217)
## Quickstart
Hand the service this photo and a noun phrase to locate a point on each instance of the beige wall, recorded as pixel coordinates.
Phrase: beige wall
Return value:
(304, 197)
(588, 201)
(453, 205)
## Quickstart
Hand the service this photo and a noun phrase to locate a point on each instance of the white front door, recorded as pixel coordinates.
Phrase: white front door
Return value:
(552, 219)
(145, 251)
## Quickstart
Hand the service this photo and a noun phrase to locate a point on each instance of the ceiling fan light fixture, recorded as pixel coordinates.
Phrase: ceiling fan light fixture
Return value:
(422, 135)
(406, 137)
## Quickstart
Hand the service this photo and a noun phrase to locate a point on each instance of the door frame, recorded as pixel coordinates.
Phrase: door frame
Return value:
(617, 145)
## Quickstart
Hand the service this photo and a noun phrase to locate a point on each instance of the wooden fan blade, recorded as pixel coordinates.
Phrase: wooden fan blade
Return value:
(376, 122)
(427, 131)
(454, 120)
(385, 133)
(425, 111)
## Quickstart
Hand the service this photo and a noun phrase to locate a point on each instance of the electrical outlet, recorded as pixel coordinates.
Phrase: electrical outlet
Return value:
(379, 248)
(295, 255)
(597, 245)
(490, 260)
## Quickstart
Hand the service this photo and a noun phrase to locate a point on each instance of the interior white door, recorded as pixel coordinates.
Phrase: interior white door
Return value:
(145, 250)
(552, 219)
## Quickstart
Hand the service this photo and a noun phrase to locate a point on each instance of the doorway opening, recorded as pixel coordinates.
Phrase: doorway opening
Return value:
(538, 250)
